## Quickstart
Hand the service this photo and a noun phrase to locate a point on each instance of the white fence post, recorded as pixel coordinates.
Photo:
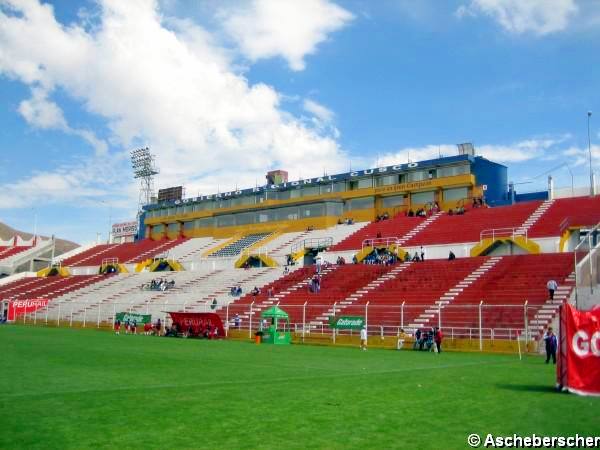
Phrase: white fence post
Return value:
(227, 319)
(84, 315)
(47, 306)
(58, 318)
(303, 320)
(35, 316)
(367, 315)
(480, 331)
(402, 315)
(98, 321)
(114, 318)
(526, 322)
(334, 329)
(440, 316)
(250, 324)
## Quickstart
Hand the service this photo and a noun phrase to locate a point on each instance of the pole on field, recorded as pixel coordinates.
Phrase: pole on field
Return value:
(250, 326)
(114, 318)
(84, 315)
(480, 321)
(98, 318)
(402, 315)
(58, 318)
(591, 261)
(35, 316)
(367, 315)
(519, 346)
(439, 316)
(303, 320)
(47, 306)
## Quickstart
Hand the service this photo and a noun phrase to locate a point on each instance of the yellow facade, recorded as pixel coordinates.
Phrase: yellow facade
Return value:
(437, 185)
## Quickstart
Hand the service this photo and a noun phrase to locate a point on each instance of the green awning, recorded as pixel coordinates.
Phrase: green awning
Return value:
(274, 312)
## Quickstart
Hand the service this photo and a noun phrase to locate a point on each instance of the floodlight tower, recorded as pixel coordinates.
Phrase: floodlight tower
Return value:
(142, 162)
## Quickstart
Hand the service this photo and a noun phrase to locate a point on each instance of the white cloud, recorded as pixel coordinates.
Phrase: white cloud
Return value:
(288, 28)
(539, 17)
(319, 111)
(517, 152)
(164, 83)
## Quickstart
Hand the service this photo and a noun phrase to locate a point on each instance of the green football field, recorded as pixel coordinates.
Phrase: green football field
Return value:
(83, 388)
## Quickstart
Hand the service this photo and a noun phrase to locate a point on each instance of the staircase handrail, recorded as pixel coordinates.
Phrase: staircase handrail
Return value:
(494, 233)
(372, 242)
(322, 242)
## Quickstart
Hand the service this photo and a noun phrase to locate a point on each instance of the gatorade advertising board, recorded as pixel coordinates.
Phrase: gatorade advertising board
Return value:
(139, 318)
(347, 322)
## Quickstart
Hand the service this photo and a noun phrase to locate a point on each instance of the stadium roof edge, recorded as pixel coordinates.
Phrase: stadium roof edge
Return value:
(326, 179)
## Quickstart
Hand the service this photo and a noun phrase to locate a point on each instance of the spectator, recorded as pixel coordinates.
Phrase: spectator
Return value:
(406, 257)
(117, 326)
(354, 260)
(552, 286)
(379, 235)
(422, 253)
(418, 344)
(411, 213)
(551, 345)
(438, 336)
(363, 338)
(255, 291)
(416, 257)
(451, 256)
(286, 270)
(237, 321)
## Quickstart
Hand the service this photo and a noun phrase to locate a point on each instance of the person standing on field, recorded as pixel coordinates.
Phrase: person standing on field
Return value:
(551, 345)
(363, 338)
(437, 337)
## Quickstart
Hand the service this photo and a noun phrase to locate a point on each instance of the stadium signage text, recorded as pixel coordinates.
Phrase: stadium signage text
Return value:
(17, 308)
(347, 323)
(583, 346)
(327, 179)
(578, 367)
(139, 318)
(124, 229)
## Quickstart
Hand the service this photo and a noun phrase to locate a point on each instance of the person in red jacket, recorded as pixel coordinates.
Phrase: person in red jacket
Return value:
(438, 336)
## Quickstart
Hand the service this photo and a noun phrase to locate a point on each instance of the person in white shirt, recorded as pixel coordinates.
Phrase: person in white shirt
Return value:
(552, 286)
(363, 338)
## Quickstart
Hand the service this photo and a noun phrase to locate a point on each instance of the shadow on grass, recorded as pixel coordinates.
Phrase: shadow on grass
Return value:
(527, 388)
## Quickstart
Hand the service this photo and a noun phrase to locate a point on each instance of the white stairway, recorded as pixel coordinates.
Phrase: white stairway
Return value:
(277, 298)
(416, 230)
(360, 293)
(453, 292)
(535, 216)
(192, 248)
(549, 310)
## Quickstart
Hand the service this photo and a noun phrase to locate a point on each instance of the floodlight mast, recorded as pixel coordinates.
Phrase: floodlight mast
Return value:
(142, 162)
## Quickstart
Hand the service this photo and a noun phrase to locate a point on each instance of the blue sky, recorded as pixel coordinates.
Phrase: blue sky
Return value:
(224, 90)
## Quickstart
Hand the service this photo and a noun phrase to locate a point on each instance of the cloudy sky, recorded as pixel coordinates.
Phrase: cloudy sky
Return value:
(224, 90)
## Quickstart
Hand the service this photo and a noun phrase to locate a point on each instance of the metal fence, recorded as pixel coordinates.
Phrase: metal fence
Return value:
(469, 321)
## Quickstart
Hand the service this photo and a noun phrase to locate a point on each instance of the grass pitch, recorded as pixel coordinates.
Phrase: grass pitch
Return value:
(83, 388)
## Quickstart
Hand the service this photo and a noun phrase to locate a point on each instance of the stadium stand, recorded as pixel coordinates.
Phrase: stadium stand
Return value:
(236, 247)
(47, 287)
(567, 212)
(124, 253)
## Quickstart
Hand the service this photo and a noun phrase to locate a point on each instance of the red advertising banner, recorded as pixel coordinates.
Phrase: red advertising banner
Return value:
(578, 367)
(199, 322)
(17, 308)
